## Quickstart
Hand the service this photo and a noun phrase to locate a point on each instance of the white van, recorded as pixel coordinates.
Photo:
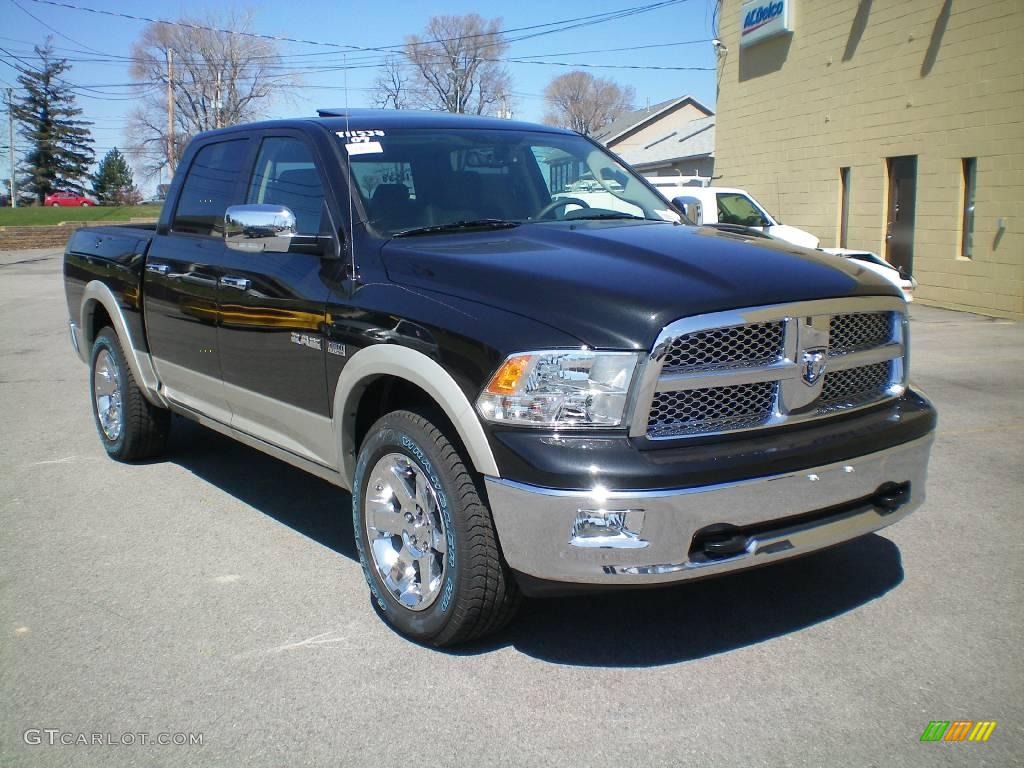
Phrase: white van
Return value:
(668, 184)
(725, 205)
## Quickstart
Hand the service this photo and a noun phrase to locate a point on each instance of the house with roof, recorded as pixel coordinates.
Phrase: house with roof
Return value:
(674, 137)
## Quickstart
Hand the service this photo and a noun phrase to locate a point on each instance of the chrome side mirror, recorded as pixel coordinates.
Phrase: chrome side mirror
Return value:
(259, 228)
(690, 207)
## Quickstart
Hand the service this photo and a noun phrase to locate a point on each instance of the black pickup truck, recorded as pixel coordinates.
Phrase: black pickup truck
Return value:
(525, 393)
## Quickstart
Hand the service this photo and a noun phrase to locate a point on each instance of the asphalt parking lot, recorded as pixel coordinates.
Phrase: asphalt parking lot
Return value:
(216, 593)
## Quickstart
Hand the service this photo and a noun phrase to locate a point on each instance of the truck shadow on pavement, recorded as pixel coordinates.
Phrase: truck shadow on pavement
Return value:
(638, 628)
(306, 504)
(643, 628)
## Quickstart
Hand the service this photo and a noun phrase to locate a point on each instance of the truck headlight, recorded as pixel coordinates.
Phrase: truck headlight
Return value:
(560, 388)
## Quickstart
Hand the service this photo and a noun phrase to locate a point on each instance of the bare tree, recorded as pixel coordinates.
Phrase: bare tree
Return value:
(454, 66)
(219, 79)
(581, 102)
(392, 87)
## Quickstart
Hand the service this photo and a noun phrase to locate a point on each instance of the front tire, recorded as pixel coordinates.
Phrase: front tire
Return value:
(425, 536)
(130, 427)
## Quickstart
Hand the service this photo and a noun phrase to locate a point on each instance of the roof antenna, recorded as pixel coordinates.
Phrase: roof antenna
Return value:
(350, 181)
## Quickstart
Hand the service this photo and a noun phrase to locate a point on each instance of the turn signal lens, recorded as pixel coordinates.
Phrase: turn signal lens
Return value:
(506, 380)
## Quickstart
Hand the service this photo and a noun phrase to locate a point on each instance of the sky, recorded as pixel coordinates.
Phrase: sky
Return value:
(678, 33)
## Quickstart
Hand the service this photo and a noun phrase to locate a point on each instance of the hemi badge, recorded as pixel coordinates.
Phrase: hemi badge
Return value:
(335, 348)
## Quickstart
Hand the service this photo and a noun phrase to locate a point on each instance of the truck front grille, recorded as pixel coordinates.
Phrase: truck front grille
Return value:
(768, 366)
(862, 330)
(856, 385)
(695, 411)
(740, 345)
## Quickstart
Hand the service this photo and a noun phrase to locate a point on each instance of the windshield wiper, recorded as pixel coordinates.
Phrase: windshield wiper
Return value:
(610, 215)
(459, 226)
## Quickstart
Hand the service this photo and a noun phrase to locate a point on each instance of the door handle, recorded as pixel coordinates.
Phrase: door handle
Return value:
(160, 269)
(236, 282)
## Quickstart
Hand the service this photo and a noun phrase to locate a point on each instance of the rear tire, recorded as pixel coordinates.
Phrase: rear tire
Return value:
(432, 563)
(130, 427)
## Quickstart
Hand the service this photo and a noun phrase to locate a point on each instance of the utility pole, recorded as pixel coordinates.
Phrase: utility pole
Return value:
(170, 110)
(10, 145)
(216, 104)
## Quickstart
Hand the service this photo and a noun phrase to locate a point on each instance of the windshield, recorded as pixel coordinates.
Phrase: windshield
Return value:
(734, 208)
(416, 181)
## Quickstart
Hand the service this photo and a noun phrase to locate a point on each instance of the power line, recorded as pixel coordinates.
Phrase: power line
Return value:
(573, 23)
(55, 31)
(82, 91)
(321, 66)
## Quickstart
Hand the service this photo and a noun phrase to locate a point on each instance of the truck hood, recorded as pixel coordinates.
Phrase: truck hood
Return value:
(615, 285)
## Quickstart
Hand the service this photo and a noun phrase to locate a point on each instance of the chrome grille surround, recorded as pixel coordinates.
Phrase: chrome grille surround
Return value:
(779, 365)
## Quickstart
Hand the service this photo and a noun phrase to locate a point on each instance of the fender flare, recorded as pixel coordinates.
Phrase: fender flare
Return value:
(370, 363)
(140, 363)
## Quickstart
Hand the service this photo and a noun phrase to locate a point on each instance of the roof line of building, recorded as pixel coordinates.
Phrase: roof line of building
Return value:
(634, 121)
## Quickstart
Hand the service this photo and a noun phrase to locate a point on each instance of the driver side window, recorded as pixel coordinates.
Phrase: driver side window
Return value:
(286, 175)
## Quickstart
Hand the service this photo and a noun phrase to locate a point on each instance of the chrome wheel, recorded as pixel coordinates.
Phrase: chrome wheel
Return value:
(107, 391)
(405, 529)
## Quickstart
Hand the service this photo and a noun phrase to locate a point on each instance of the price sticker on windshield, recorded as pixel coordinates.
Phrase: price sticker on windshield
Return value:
(363, 142)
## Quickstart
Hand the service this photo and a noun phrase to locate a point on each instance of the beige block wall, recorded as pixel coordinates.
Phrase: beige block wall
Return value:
(858, 82)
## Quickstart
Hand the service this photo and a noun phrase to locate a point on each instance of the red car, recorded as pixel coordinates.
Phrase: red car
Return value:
(67, 199)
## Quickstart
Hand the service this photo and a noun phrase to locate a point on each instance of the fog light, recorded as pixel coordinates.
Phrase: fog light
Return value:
(608, 528)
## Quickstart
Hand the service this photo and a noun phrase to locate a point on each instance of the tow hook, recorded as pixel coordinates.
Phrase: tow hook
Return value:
(720, 541)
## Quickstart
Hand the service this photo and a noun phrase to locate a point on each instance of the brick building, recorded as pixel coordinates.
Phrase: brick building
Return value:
(897, 127)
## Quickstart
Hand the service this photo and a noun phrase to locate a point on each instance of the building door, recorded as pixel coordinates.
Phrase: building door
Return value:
(899, 230)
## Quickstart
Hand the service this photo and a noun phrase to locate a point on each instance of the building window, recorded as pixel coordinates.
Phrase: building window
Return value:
(970, 168)
(844, 205)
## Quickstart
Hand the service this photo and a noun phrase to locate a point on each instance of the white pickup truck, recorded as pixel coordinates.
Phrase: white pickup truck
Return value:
(722, 206)
(727, 205)
(703, 205)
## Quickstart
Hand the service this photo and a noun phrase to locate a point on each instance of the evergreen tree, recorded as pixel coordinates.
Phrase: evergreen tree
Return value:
(113, 182)
(61, 145)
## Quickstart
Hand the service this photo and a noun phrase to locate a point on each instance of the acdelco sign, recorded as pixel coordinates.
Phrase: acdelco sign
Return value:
(761, 19)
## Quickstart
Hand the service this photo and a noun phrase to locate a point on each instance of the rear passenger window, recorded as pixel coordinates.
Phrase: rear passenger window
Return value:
(210, 182)
(286, 175)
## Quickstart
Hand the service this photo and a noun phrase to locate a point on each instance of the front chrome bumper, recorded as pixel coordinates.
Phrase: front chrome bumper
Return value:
(538, 526)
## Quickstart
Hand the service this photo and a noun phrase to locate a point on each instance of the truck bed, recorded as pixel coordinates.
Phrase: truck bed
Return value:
(114, 255)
